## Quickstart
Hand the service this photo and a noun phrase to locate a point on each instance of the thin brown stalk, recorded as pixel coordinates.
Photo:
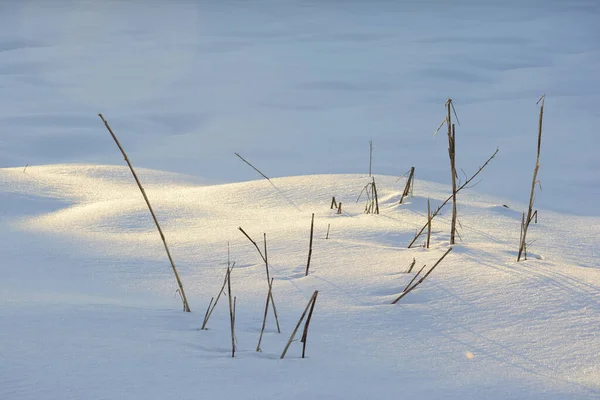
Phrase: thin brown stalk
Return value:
(264, 258)
(452, 152)
(522, 245)
(231, 315)
(376, 197)
(186, 306)
(411, 266)
(253, 167)
(264, 323)
(218, 296)
(206, 314)
(271, 285)
(409, 184)
(450, 198)
(413, 279)
(305, 333)
(287, 346)
(428, 222)
(410, 289)
(312, 226)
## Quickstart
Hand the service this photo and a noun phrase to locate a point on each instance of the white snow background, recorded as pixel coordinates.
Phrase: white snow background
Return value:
(88, 308)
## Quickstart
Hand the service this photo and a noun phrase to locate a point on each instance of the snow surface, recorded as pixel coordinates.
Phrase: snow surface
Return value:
(87, 287)
(88, 307)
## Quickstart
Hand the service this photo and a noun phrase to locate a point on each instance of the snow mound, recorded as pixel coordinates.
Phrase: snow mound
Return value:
(87, 269)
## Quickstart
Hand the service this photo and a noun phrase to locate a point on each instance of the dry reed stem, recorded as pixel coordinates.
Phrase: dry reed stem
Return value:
(186, 306)
(428, 222)
(413, 279)
(264, 323)
(410, 289)
(206, 314)
(522, 246)
(231, 315)
(218, 296)
(253, 167)
(452, 152)
(312, 299)
(411, 266)
(305, 333)
(264, 258)
(312, 226)
(409, 184)
(450, 198)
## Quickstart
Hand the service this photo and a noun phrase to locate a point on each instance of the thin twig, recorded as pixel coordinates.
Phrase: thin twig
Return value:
(522, 246)
(231, 315)
(413, 279)
(450, 198)
(312, 225)
(409, 184)
(411, 266)
(227, 273)
(264, 323)
(253, 167)
(305, 333)
(410, 289)
(186, 306)
(312, 299)
(264, 258)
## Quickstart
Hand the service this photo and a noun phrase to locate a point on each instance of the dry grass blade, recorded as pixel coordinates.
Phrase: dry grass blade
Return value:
(450, 198)
(410, 289)
(264, 258)
(312, 227)
(287, 346)
(522, 245)
(409, 184)
(186, 306)
(264, 323)
(218, 296)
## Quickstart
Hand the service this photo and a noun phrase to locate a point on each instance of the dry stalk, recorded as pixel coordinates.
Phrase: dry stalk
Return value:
(333, 203)
(410, 289)
(414, 277)
(450, 198)
(207, 316)
(372, 203)
(428, 222)
(409, 184)
(312, 225)
(310, 303)
(231, 313)
(411, 266)
(264, 258)
(452, 153)
(264, 323)
(186, 306)
(523, 244)
(305, 333)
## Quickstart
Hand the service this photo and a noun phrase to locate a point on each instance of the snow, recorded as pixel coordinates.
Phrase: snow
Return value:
(87, 296)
